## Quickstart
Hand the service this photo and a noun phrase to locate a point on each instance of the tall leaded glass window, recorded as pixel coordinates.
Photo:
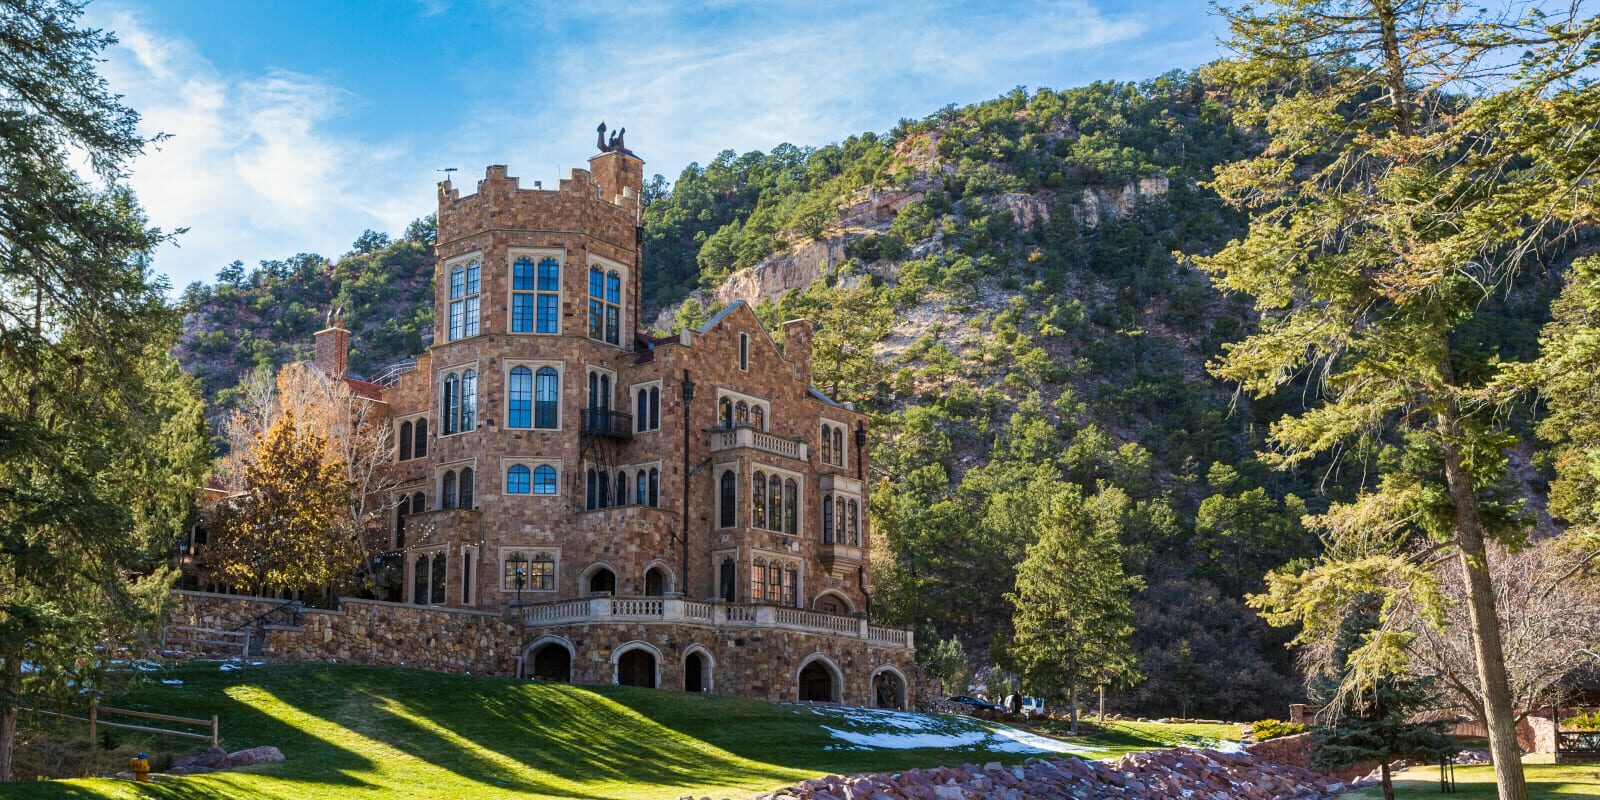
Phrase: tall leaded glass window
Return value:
(774, 504)
(451, 403)
(447, 492)
(546, 397)
(729, 495)
(522, 295)
(466, 487)
(758, 494)
(464, 301)
(469, 400)
(655, 488)
(605, 306)
(791, 511)
(641, 490)
(519, 398)
(827, 519)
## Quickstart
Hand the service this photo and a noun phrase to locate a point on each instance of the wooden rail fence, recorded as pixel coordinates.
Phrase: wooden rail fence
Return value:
(94, 720)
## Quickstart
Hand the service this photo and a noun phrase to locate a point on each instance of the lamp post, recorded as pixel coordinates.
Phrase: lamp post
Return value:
(519, 578)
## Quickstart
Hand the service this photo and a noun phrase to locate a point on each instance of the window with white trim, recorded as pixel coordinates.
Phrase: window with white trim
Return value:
(536, 295)
(605, 305)
(463, 311)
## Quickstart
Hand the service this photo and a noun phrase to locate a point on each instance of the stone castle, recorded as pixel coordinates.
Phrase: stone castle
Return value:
(684, 512)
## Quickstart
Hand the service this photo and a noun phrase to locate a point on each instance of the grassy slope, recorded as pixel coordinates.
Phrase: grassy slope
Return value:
(367, 732)
(1545, 782)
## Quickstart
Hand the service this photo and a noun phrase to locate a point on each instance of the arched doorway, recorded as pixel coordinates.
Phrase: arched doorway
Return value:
(697, 671)
(552, 662)
(888, 689)
(637, 667)
(819, 682)
(603, 581)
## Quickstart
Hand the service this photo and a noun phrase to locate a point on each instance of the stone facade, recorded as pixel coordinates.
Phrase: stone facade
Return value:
(606, 463)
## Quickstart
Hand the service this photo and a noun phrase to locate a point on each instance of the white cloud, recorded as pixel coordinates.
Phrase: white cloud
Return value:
(251, 168)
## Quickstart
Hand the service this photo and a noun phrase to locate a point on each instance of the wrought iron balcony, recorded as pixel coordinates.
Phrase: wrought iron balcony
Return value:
(608, 423)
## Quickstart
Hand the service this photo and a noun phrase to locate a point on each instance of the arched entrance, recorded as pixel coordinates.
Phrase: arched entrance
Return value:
(551, 662)
(819, 681)
(656, 583)
(697, 671)
(636, 666)
(603, 581)
(888, 689)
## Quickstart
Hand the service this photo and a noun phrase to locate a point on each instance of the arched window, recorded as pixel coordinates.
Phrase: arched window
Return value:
(436, 583)
(622, 487)
(517, 479)
(655, 582)
(419, 503)
(758, 581)
(421, 448)
(452, 402)
(827, 519)
(839, 521)
(838, 446)
(605, 488)
(519, 398)
(469, 400)
(544, 479)
(744, 351)
(655, 488)
(855, 526)
(729, 496)
(758, 497)
(466, 487)
(727, 579)
(725, 412)
(405, 441)
(640, 490)
(758, 418)
(791, 510)
(827, 445)
(655, 408)
(547, 396)
(447, 493)
(641, 411)
(741, 413)
(590, 488)
(419, 581)
(791, 583)
(775, 504)
(775, 582)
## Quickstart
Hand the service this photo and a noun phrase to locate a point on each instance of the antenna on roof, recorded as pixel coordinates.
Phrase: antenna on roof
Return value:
(446, 171)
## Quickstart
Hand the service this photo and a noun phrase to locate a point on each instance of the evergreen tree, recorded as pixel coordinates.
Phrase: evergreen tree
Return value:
(102, 438)
(1385, 208)
(1073, 620)
(1372, 722)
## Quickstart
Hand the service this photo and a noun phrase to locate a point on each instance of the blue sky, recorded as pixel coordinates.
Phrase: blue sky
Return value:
(296, 125)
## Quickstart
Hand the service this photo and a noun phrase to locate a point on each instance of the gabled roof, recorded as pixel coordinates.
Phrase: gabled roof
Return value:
(711, 323)
(366, 389)
(817, 393)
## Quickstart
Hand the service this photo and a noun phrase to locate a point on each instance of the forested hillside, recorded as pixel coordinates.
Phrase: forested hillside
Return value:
(997, 285)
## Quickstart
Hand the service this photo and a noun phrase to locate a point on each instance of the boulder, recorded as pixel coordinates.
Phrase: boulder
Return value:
(264, 754)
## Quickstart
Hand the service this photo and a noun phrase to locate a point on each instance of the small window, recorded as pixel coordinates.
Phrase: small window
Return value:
(655, 488)
(729, 497)
(405, 441)
(421, 448)
(466, 579)
(447, 490)
(791, 511)
(725, 412)
(758, 581)
(855, 526)
(774, 504)
(547, 398)
(758, 493)
(791, 585)
(466, 488)
(622, 487)
(542, 572)
(436, 582)
(827, 519)
(641, 490)
(519, 398)
(518, 479)
(744, 351)
(758, 418)
(544, 479)
(469, 400)
(451, 403)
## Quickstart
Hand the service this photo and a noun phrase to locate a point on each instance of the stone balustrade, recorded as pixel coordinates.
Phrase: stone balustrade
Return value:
(745, 436)
(593, 610)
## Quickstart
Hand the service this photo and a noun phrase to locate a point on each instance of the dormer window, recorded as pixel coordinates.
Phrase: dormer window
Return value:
(463, 301)
(605, 306)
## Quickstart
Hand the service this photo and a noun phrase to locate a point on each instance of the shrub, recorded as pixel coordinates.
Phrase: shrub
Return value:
(1583, 722)
(1264, 729)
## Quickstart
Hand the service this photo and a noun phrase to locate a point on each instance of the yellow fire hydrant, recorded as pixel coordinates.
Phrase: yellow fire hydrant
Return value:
(140, 766)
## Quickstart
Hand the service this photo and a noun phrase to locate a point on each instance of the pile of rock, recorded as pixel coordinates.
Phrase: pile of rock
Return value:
(1181, 774)
(215, 758)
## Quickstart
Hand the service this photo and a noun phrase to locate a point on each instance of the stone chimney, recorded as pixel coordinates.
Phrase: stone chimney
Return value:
(620, 176)
(797, 347)
(333, 348)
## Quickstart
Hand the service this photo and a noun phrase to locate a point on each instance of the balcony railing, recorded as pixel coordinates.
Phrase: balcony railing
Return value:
(593, 610)
(745, 436)
(605, 422)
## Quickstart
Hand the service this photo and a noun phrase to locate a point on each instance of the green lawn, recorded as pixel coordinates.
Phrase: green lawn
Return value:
(353, 731)
(1549, 781)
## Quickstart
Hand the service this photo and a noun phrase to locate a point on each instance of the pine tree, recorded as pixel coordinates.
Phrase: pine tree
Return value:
(1372, 722)
(102, 437)
(1073, 620)
(1385, 208)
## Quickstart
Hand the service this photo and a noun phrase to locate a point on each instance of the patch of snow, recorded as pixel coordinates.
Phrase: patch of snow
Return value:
(172, 681)
(229, 667)
(875, 729)
(1225, 746)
